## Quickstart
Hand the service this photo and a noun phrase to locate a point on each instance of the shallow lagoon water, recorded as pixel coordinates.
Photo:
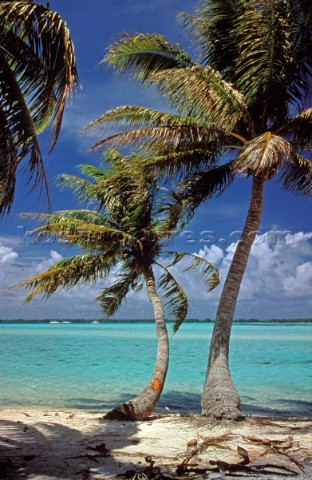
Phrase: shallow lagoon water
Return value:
(94, 366)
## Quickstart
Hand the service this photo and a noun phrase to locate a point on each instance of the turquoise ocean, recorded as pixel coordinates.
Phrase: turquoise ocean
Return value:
(94, 366)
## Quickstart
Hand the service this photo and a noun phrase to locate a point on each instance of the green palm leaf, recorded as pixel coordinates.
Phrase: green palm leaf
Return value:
(202, 93)
(174, 163)
(204, 268)
(38, 73)
(141, 55)
(174, 297)
(80, 187)
(111, 297)
(212, 27)
(264, 60)
(301, 46)
(297, 176)
(202, 186)
(176, 135)
(19, 139)
(128, 116)
(67, 273)
(299, 129)
(174, 216)
(48, 36)
(68, 226)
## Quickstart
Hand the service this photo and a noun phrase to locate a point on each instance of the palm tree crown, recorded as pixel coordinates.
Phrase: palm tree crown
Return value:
(37, 75)
(128, 230)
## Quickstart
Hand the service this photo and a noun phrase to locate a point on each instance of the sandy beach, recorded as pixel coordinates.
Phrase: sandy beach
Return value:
(75, 444)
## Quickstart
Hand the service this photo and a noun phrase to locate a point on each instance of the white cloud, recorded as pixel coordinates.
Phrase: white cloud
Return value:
(300, 284)
(48, 262)
(7, 255)
(278, 274)
(277, 283)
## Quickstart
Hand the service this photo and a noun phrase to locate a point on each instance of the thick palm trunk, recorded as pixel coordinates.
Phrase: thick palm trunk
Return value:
(143, 405)
(220, 399)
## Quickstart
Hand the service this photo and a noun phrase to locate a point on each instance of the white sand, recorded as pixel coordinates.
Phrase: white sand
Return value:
(63, 445)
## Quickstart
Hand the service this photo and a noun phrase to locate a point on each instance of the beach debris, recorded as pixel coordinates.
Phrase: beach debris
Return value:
(276, 446)
(194, 447)
(192, 443)
(243, 453)
(245, 466)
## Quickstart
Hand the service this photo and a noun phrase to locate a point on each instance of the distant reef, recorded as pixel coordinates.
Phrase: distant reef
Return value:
(190, 320)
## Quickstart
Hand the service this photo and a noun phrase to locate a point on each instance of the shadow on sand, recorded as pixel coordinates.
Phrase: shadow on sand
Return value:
(51, 451)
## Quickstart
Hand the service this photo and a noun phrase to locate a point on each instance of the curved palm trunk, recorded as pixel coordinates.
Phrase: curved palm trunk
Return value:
(143, 405)
(220, 399)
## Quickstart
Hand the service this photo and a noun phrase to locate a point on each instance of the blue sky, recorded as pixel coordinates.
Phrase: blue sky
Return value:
(279, 277)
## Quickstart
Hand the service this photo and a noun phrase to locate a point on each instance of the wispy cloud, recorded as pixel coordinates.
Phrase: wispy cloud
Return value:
(94, 100)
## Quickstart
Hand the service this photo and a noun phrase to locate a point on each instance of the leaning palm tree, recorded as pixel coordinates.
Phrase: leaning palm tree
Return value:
(125, 234)
(242, 109)
(37, 75)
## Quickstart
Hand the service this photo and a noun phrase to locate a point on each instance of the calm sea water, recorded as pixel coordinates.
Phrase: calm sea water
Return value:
(95, 366)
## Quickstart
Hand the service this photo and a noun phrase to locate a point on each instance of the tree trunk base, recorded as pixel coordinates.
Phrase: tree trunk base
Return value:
(139, 408)
(224, 416)
(220, 401)
(124, 412)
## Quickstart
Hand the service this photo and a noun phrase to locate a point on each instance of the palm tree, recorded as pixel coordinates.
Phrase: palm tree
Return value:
(242, 109)
(126, 233)
(37, 75)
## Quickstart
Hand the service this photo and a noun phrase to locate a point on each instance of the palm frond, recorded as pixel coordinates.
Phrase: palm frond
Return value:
(205, 269)
(204, 185)
(128, 116)
(175, 135)
(83, 215)
(87, 191)
(140, 55)
(211, 27)
(299, 130)
(82, 189)
(300, 11)
(126, 193)
(111, 297)
(173, 215)
(19, 138)
(38, 73)
(202, 93)
(267, 35)
(175, 160)
(174, 297)
(75, 229)
(262, 155)
(297, 175)
(47, 36)
(67, 273)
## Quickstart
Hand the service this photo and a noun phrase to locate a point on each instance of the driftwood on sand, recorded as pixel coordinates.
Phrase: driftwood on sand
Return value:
(68, 445)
